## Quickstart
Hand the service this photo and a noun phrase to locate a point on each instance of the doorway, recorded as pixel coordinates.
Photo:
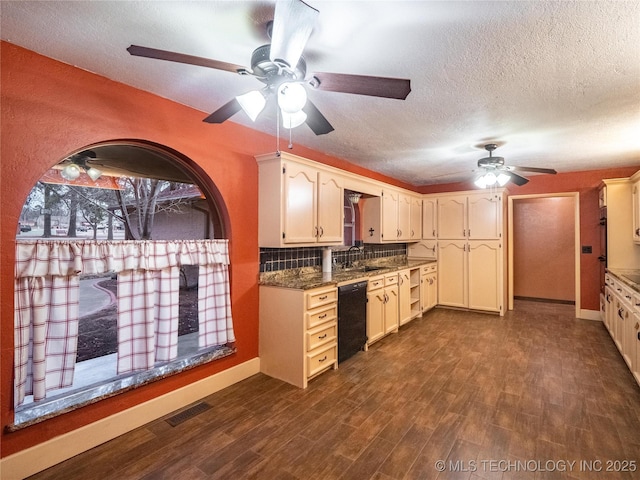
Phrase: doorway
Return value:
(544, 239)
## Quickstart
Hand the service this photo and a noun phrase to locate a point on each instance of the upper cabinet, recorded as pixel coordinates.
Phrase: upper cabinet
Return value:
(635, 199)
(394, 216)
(429, 217)
(470, 216)
(299, 204)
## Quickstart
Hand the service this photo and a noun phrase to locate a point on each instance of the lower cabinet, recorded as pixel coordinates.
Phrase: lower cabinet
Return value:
(471, 275)
(382, 306)
(622, 319)
(298, 332)
(428, 287)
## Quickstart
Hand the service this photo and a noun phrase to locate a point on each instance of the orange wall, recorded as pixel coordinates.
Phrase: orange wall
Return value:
(50, 109)
(543, 248)
(586, 184)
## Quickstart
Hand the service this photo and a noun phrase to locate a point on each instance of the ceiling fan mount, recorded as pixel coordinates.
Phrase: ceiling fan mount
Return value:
(273, 73)
(491, 161)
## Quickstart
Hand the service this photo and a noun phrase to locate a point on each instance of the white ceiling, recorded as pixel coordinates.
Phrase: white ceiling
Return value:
(555, 83)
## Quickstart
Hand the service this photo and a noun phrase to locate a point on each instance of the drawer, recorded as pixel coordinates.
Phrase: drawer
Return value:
(321, 315)
(375, 283)
(317, 298)
(321, 358)
(391, 279)
(325, 333)
(429, 268)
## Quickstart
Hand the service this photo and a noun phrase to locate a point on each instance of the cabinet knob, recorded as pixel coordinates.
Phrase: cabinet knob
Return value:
(434, 233)
(321, 231)
(323, 359)
(321, 337)
(324, 297)
(324, 315)
(636, 326)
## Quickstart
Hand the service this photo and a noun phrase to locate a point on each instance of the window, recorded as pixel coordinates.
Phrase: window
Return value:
(121, 278)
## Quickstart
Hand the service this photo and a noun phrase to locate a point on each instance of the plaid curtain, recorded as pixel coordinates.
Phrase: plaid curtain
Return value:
(46, 334)
(147, 318)
(214, 306)
(46, 303)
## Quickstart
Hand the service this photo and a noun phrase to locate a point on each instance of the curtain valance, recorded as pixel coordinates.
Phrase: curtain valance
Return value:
(39, 258)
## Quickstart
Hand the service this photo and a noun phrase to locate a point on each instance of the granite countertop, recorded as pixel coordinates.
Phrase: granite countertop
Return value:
(623, 275)
(312, 277)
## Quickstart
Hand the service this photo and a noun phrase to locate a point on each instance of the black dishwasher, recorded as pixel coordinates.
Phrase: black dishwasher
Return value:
(352, 319)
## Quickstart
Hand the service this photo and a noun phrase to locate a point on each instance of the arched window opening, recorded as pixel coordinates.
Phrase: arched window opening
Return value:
(122, 277)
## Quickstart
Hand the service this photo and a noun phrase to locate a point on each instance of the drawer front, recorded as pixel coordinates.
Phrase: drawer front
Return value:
(322, 335)
(318, 298)
(391, 279)
(320, 359)
(321, 315)
(375, 283)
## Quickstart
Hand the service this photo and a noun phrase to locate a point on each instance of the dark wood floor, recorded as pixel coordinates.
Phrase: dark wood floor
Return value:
(507, 397)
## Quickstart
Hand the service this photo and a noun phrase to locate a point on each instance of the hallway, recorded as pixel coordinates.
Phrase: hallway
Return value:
(535, 385)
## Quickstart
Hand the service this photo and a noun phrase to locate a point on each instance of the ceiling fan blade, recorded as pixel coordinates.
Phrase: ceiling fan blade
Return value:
(293, 22)
(225, 112)
(519, 180)
(183, 58)
(385, 87)
(316, 120)
(534, 169)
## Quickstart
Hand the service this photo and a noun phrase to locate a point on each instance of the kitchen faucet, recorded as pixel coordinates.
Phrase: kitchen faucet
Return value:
(349, 261)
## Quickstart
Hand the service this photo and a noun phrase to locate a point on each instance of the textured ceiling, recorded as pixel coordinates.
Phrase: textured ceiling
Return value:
(555, 84)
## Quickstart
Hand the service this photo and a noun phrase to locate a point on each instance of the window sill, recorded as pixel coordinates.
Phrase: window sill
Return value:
(32, 414)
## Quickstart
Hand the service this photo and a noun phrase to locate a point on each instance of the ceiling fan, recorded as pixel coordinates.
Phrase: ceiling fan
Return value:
(282, 69)
(494, 171)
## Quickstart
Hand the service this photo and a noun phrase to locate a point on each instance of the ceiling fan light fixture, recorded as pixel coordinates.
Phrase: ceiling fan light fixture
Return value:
(70, 172)
(94, 173)
(503, 179)
(292, 97)
(252, 103)
(293, 120)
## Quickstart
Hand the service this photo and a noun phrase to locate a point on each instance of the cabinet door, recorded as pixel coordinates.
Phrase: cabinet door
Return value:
(485, 278)
(390, 201)
(452, 273)
(432, 290)
(404, 284)
(404, 217)
(452, 212)
(375, 315)
(300, 220)
(635, 344)
(416, 219)
(635, 198)
(330, 208)
(391, 312)
(429, 216)
(485, 216)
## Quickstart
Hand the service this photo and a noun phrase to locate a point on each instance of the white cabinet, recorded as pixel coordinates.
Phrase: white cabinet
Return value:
(622, 251)
(392, 217)
(635, 207)
(298, 333)
(429, 217)
(298, 204)
(428, 287)
(382, 306)
(470, 216)
(485, 275)
(470, 274)
(409, 294)
(415, 227)
(622, 319)
(404, 296)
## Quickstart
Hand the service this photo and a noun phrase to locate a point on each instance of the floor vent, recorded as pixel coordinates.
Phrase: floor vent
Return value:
(185, 415)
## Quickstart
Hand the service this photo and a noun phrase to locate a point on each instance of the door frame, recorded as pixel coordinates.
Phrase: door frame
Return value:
(576, 198)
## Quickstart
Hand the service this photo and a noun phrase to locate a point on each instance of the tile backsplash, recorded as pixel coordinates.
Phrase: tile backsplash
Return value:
(274, 259)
